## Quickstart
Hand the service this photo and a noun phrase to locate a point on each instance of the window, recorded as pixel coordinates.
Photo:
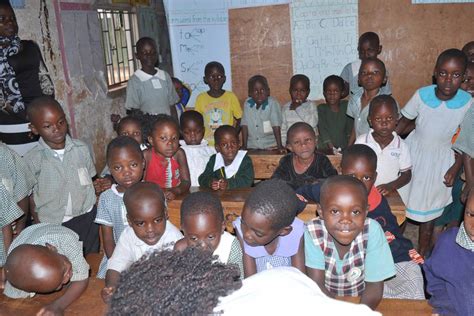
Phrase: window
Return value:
(119, 32)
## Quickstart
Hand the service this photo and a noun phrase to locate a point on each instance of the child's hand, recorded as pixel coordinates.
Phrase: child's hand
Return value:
(223, 184)
(102, 184)
(169, 195)
(449, 177)
(106, 293)
(215, 185)
(50, 310)
(384, 189)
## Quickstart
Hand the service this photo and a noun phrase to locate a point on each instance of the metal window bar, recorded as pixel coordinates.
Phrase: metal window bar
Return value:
(118, 44)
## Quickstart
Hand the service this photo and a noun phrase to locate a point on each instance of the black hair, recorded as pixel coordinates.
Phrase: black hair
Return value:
(260, 79)
(6, 3)
(343, 181)
(298, 127)
(191, 115)
(374, 60)
(130, 119)
(467, 46)
(160, 119)
(140, 190)
(174, 283)
(202, 203)
(222, 130)
(40, 103)
(383, 99)
(359, 151)
(371, 37)
(144, 40)
(274, 199)
(300, 78)
(452, 53)
(212, 65)
(123, 142)
(333, 79)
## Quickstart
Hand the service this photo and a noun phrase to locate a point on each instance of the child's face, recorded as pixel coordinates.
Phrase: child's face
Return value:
(469, 217)
(126, 166)
(368, 49)
(147, 217)
(371, 75)
(203, 230)
(131, 129)
(332, 93)
(469, 51)
(51, 124)
(302, 143)
(344, 212)
(449, 75)
(147, 55)
(215, 79)
(383, 120)
(257, 229)
(228, 145)
(299, 93)
(8, 25)
(468, 83)
(259, 93)
(193, 132)
(361, 169)
(165, 140)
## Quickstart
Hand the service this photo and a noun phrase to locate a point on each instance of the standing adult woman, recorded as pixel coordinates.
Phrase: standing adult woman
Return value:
(23, 77)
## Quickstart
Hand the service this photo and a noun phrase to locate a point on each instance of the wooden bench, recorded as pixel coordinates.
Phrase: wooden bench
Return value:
(90, 303)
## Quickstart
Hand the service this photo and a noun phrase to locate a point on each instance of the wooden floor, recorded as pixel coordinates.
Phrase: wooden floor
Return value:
(90, 303)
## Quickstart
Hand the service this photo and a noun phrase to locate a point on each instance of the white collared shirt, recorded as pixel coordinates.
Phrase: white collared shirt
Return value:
(231, 169)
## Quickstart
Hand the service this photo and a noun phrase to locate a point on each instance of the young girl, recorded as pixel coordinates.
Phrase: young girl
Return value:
(268, 230)
(126, 164)
(438, 110)
(262, 117)
(299, 109)
(303, 165)
(166, 163)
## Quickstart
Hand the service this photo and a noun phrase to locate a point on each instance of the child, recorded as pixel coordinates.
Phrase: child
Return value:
(438, 109)
(371, 78)
(150, 90)
(148, 230)
(346, 252)
(217, 106)
(230, 168)
(63, 170)
(303, 165)
(299, 109)
(393, 156)
(468, 49)
(126, 163)
(335, 127)
(262, 117)
(449, 269)
(166, 163)
(203, 225)
(368, 47)
(360, 161)
(468, 83)
(268, 230)
(196, 148)
(183, 93)
(9, 212)
(42, 259)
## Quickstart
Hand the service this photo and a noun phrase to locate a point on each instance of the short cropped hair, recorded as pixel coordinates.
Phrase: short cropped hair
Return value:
(374, 60)
(213, 64)
(40, 103)
(144, 40)
(202, 203)
(136, 192)
(333, 79)
(371, 37)
(298, 127)
(383, 99)
(191, 115)
(275, 200)
(123, 142)
(342, 180)
(300, 78)
(222, 130)
(359, 151)
(452, 53)
(163, 119)
(260, 79)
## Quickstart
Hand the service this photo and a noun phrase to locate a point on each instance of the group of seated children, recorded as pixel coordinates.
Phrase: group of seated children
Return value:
(354, 248)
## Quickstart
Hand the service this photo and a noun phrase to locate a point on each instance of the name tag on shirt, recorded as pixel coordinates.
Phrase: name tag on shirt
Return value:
(267, 127)
(84, 177)
(156, 83)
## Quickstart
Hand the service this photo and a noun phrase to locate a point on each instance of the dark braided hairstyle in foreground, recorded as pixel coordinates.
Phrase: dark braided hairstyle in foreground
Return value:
(174, 283)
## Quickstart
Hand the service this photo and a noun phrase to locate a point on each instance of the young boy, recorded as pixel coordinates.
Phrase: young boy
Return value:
(63, 170)
(203, 225)
(149, 230)
(449, 269)
(218, 107)
(346, 252)
(393, 156)
(150, 89)
(195, 147)
(43, 259)
(360, 161)
(371, 78)
(9, 212)
(335, 127)
(368, 47)
(230, 168)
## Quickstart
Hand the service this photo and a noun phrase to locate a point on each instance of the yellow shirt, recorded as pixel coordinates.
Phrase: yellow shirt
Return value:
(217, 112)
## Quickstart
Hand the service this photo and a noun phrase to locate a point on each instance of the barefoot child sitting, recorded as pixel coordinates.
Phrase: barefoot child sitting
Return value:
(203, 225)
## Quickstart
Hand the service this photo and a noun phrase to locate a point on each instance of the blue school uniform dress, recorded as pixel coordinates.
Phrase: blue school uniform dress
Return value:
(426, 195)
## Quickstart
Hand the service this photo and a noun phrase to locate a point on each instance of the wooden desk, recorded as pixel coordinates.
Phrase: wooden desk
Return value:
(233, 203)
(91, 304)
